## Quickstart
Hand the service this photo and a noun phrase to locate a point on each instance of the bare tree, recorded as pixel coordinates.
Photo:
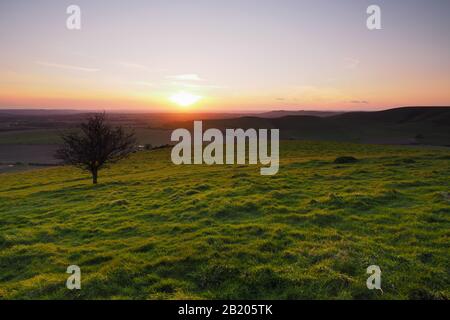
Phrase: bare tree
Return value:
(95, 145)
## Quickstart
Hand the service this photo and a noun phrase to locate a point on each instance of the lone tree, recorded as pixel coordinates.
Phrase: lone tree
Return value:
(95, 146)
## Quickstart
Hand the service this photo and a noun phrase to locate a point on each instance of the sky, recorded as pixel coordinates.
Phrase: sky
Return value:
(216, 56)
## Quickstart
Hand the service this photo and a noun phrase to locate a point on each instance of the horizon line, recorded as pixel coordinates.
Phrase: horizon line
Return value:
(212, 112)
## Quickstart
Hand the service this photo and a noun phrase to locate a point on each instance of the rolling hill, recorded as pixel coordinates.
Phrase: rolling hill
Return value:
(153, 230)
(409, 125)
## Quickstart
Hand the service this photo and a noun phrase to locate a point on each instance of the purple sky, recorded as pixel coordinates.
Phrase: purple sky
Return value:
(224, 55)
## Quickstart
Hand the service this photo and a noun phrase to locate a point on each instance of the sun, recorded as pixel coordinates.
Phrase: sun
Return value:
(184, 99)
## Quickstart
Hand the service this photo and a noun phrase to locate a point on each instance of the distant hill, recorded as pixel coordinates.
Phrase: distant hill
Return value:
(284, 113)
(408, 125)
(36, 112)
(439, 115)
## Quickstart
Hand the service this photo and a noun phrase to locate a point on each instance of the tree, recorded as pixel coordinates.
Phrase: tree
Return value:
(95, 145)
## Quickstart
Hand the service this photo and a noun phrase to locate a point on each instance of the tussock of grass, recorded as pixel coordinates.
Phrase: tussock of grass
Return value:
(345, 159)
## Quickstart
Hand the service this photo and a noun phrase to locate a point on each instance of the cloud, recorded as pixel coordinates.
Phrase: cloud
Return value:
(315, 94)
(144, 83)
(186, 77)
(133, 65)
(192, 85)
(351, 63)
(359, 101)
(66, 66)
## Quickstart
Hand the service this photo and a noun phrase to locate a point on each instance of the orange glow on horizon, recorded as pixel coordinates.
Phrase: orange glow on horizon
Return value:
(61, 95)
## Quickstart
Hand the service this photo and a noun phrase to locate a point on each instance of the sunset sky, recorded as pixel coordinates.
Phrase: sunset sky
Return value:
(211, 55)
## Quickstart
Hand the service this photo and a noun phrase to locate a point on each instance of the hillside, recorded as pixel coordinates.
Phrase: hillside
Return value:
(153, 230)
(29, 138)
(284, 113)
(408, 126)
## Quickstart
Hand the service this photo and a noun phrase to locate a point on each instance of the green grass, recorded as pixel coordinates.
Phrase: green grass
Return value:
(153, 230)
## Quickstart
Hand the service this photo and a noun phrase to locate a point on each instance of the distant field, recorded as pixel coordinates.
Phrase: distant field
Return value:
(153, 230)
(38, 146)
(21, 131)
(23, 153)
(49, 136)
(27, 137)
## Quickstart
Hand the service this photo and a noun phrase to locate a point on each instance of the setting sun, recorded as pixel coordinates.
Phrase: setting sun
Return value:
(184, 99)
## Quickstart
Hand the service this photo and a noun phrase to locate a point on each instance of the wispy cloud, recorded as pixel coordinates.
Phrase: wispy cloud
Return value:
(133, 65)
(352, 63)
(315, 94)
(66, 66)
(359, 101)
(186, 77)
(144, 83)
(195, 85)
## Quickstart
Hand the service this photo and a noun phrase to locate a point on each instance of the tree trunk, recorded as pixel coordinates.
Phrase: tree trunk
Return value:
(94, 176)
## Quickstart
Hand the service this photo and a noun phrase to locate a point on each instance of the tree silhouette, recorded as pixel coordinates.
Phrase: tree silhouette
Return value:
(95, 145)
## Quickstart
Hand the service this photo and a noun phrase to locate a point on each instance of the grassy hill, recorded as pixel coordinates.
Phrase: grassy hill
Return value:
(154, 230)
(409, 125)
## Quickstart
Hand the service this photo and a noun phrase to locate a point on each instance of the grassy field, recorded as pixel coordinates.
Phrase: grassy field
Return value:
(152, 230)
